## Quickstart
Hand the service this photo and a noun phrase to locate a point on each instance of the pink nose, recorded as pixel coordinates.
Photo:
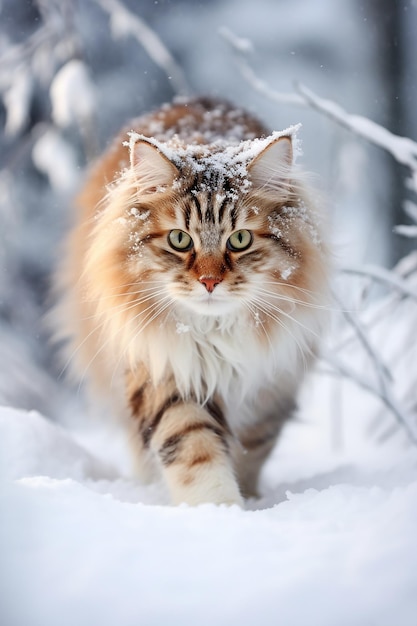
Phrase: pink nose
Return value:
(210, 282)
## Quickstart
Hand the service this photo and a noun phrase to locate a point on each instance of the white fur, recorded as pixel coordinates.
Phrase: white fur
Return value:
(227, 354)
(216, 484)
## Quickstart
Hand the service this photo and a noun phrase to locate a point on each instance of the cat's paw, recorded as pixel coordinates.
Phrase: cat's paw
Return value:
(202, 499)
(214, 489)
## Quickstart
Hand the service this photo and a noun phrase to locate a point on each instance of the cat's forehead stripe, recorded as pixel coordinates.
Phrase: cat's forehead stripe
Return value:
(211, 199)
(197, 207)
(233, 216)
(187, 216)
(210, 208)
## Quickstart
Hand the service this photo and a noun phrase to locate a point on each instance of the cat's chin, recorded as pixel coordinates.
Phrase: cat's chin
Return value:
(211, 306)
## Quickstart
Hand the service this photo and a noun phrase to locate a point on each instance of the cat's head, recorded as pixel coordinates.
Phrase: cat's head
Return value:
(209, 230)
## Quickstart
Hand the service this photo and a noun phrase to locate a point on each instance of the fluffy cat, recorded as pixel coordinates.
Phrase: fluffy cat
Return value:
(194, 284)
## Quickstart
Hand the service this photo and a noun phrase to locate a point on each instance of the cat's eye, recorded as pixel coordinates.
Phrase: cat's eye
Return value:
(240, 240)
(179, 240)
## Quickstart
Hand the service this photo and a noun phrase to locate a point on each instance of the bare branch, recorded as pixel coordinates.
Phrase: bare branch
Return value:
(386, 397)
(125, 23)
(382, 371)
(384, 276)
(249, 75)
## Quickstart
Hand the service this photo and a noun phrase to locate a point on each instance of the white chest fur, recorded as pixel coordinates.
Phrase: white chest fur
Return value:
(230, 356)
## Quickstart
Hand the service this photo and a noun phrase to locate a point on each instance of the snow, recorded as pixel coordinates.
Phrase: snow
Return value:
(332, 541)
(229, 158)
(17, 102)
(285, 274)
(56, 158)
(406, 230)
(182, 328)
(72, 94)
(142, 216)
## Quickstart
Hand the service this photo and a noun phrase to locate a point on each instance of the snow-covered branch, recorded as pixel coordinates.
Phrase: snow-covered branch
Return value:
(403, 149)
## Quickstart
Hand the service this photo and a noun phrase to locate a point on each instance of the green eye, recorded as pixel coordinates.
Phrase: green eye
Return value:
(240, 240)
(179, 240)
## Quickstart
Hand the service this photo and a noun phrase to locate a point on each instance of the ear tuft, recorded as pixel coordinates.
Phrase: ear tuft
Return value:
(271, 169)
(153, 169)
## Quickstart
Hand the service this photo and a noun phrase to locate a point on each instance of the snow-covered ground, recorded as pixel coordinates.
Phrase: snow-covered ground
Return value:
(332, 541)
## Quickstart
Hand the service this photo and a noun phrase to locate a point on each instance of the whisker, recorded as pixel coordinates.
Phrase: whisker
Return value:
(284, 298)
(289, 285)
(270, 310)
(324, 307)
(285, 314)
(126, 306)
(163, 307)
(287, 330)
(254, 311)
(124, 293)
(292, 300)
(105, 344)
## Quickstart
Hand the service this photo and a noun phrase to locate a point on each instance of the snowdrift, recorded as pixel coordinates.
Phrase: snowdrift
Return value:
(82, 544)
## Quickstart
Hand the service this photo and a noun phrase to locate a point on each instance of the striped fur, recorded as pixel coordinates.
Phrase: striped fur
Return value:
(212, 342)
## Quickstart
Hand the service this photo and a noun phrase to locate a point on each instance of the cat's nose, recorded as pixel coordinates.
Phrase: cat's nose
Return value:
(210, 282)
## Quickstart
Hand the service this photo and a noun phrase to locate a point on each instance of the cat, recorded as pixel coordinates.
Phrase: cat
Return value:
(194, 286)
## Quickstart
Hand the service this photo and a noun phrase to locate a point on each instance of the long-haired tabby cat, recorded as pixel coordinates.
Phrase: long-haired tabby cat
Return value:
(194, 281)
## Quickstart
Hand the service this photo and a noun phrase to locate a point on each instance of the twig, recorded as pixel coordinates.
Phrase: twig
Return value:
(384, 276)
(124, 23)
(382, 371)
(385, 396)
(248, 73)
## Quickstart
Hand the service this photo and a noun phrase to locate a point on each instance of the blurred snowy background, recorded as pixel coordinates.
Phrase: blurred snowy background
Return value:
(73, 72)
(341, 548)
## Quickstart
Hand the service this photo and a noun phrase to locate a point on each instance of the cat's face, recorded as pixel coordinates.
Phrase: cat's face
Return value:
(212, 244)
(214, 257)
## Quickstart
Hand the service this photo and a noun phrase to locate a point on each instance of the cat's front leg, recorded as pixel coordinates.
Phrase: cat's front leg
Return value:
(191, 444)
(258, 435)
(193, 450)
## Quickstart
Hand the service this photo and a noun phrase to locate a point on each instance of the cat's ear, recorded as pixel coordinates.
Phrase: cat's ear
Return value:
(152, 167)
(271, 168)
